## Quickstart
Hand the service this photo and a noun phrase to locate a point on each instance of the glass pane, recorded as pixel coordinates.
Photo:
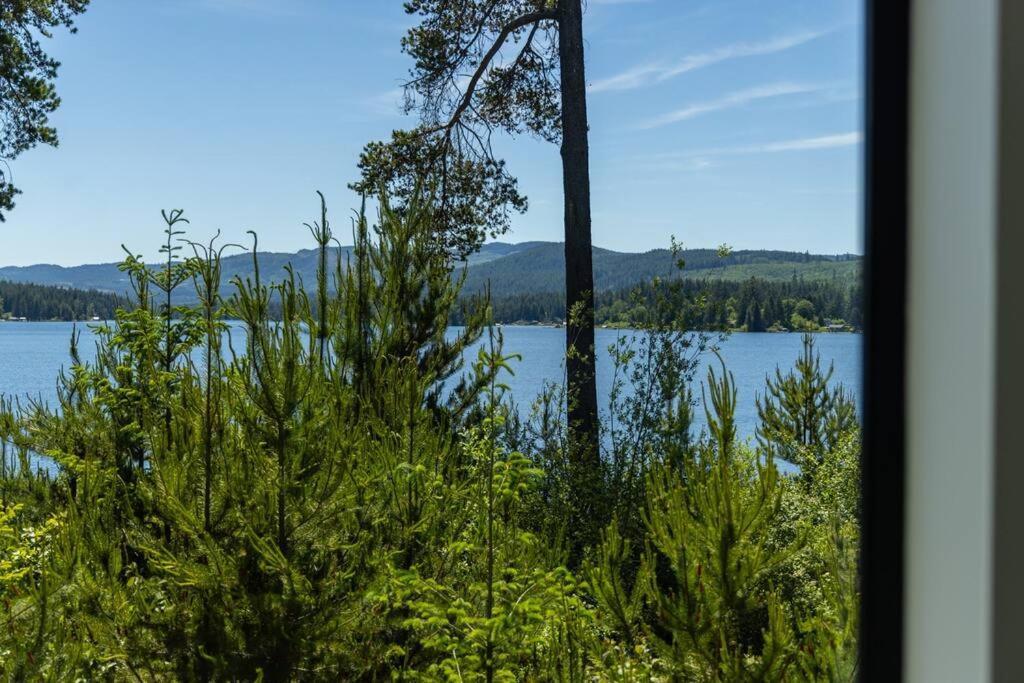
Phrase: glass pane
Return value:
(558, 378)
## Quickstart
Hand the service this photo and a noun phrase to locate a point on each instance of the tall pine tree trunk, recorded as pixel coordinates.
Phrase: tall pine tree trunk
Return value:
(579, 275)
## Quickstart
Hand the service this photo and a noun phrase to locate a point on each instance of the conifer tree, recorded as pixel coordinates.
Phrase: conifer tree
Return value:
(27, 74)
(801, 415)
(754, 319)
(710, 523)
(526, 64)
(206, 277)
(701, 594)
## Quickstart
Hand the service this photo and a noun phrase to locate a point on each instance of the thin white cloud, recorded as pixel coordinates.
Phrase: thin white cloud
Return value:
(735, 99)
(387, 103)
(629, 79)
(822, 142)
(703, 158)
(854, 137)
(692, 164)
(656, 72)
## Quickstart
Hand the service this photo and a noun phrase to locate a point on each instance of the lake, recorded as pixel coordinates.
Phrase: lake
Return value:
(31, 355)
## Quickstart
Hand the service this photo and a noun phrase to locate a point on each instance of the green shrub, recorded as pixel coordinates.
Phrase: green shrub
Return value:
(324, 491)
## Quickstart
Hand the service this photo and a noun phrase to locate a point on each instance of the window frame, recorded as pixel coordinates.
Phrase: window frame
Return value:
(886, 217)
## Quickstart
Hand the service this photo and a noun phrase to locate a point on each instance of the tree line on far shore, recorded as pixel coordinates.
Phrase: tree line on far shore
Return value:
(44, 302)
(754, 305)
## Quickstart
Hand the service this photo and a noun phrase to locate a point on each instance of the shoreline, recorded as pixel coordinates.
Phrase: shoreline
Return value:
(549, 326)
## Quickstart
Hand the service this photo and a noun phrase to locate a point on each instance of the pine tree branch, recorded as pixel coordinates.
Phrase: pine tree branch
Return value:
(514, 25)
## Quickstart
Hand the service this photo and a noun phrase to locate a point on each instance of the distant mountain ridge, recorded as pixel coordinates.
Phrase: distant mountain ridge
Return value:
(510, 268)
(541, 267)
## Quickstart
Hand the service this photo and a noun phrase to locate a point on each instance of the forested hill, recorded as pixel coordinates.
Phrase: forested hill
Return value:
(512, 269)
(541, 268)
(42, 302)
(107, 277)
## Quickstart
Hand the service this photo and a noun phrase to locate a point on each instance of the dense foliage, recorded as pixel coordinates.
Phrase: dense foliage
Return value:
(333, 496)
(541, 268)
(40, 302)
(27, 92)
(753, 305)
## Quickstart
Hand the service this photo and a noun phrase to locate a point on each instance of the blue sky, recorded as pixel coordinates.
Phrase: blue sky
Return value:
(717, 121)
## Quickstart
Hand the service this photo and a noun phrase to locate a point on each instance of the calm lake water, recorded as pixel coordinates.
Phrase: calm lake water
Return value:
(31, 355)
